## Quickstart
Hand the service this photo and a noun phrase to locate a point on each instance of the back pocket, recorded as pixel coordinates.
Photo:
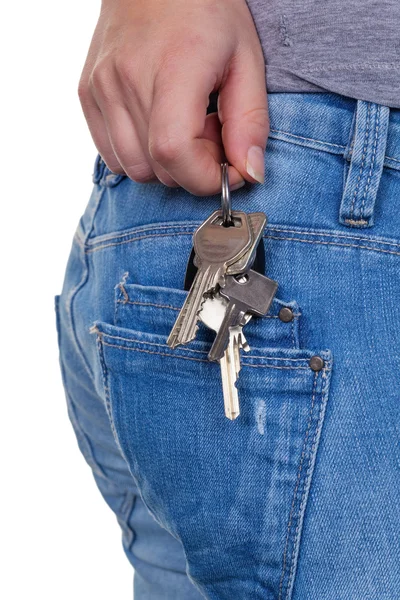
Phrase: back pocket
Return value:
(233, 492)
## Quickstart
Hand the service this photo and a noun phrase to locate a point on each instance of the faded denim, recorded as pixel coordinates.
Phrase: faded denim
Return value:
(299, 497)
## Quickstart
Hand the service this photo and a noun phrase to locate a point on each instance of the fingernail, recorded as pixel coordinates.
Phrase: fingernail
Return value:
(255, 163)
(237, 186)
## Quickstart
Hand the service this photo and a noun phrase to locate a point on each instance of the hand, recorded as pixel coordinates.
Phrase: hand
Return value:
(145, 87)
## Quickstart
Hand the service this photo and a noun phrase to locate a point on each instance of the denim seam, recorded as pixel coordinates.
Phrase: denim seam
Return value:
(277, 229)
(265, 236)
(333, 244)
(79, 239)
(205, 360)
(153, 227)
(106, 386)
(105, 376)
(293, 339)
(308, 139)
(373, 158)
(307, 483)
(134, 341)
(70, 303)
(391, 158)
(362, 161)
(181, 225)
(148, 304)
(74, 292)
(70, 405)
(136, 302)
(143, 237)
(128, 516)
(297, 485)
(333, 234)
(160, 344)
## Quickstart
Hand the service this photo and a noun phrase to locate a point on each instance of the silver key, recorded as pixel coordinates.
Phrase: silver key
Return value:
(216, 248)
(229, 375)
(212, 315)
(257, 222)
(250, 293)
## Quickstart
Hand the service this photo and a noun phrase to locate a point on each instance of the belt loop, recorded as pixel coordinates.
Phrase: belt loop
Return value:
(98, 169)
(366, 151)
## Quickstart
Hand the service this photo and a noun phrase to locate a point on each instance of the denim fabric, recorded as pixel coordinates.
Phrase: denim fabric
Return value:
(298, 498)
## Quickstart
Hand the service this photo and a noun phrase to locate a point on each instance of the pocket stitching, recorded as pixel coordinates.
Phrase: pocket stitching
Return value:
(148, 304)
(245, 364)
(313, 448)
(308, 474)
(204, 353)
(96, 243)
(106, 389)
(298, 479)
(95, 329)
(90, 250)
(179, 308)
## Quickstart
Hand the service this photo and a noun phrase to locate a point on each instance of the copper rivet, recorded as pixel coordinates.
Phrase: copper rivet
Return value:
(316, 363)
(286, 314)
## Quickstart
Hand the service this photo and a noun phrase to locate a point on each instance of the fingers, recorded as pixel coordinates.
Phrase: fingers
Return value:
(146, 103)
(177, 125)
(120, 141)
(126, 144)
(243, 111)
(98, 130)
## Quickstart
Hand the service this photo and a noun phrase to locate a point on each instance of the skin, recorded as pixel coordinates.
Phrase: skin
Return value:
(145, 88)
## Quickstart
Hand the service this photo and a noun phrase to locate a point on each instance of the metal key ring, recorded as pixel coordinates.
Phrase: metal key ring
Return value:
(226, 203)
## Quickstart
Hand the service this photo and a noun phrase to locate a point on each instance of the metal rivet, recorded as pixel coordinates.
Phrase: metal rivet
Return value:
(316, 363)
(286, 314)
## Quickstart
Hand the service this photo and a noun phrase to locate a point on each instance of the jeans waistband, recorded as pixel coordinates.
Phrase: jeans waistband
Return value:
(361, 144)
(327, 121)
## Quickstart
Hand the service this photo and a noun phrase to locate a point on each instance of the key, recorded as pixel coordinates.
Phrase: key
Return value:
(216, 248)
(251, 293)
(253, 258)
(229, 375)
(212, 315)
(257, 222)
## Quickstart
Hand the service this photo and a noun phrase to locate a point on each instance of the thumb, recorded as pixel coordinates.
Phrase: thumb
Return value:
(243, 112)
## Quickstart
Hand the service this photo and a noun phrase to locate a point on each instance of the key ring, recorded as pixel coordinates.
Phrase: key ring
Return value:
(226, 203)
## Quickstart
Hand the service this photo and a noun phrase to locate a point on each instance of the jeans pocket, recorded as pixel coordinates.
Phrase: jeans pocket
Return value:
(233, 492)
(153, 309)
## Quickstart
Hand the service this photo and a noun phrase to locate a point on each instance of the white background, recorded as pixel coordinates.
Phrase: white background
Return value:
(59, 540)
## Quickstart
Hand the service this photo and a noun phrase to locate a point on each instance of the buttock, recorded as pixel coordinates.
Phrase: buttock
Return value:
(307, 476)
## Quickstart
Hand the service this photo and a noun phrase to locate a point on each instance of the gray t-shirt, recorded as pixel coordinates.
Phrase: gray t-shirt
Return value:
(351, 47)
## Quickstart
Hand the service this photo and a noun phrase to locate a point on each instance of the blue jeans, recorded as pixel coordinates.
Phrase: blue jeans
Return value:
(299, 497)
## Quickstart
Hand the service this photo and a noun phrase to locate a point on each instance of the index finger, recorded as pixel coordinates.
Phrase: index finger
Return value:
(176, 125)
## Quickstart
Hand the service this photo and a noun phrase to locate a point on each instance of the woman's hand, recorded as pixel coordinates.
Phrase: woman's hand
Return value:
(145, 88)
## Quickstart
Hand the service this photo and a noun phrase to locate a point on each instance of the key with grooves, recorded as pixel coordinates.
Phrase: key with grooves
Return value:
(251, 293)
(216, 248)
(257, 222)
(212, 315)
(253, 258)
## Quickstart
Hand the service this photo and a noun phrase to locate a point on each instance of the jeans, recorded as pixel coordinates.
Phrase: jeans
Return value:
(299, 497)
